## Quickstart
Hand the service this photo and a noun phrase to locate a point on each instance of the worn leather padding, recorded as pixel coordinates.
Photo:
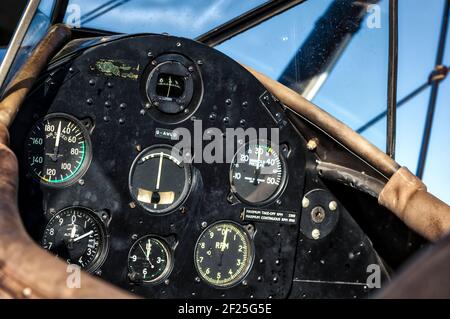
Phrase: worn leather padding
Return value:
(426, 276)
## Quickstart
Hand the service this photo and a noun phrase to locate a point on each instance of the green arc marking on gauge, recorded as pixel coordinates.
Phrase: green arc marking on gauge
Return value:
(73, 173)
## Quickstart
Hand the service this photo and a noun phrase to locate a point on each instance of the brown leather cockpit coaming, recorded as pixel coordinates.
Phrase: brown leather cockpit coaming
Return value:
(406, 196)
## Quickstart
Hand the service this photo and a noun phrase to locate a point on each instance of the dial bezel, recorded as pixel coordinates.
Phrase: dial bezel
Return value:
(283, 181)
(170, 260)
(102, 251)
(251, 255)
(87, 156)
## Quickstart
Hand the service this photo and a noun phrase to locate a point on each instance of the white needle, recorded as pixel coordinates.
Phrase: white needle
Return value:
(159, 170)
(58, 135)
(224, 239)
(73, 231)
(170, 84)
(148, 247)
(259, 156)
(148, 259)
(84, 235)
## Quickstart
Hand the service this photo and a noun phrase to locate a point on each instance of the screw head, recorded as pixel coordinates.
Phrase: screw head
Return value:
(332, 205)
(317, 214)
(312, 144)
(204, 224)
(305, 202)
(315, 234)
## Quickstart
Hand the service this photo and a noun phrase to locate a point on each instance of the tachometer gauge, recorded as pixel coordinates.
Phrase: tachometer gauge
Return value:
(159, 179)
(149, 260)
(223, 254)
(76, 235)
(58, 150)
(257, 174)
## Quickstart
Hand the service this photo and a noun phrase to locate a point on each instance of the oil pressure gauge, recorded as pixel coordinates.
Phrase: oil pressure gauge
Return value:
(258, 173)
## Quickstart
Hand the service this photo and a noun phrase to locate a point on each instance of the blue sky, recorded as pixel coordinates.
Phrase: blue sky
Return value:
(356, 88)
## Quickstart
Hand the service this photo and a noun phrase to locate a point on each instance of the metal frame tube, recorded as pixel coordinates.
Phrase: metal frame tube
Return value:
(434, 94)
(17, 39)
(392, 79)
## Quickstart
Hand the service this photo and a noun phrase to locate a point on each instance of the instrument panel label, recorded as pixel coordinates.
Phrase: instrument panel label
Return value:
(270, 216)
(166, 134)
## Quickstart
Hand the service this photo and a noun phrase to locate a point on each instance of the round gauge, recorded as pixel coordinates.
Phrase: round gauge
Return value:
(58, 150)
(159, 179)
(76, 235)
(223, 254)
(257, 174)
(170, 87)
(149, 260)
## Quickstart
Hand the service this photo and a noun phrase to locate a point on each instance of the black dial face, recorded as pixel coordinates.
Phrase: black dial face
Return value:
(58, 150)
(257, 174)
(76, 235)
(149, 260)
(170, 87)
(159, 179)
(223, 254)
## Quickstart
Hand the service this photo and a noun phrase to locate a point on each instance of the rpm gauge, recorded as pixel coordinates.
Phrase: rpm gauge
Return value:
(76, 235)
(149, 260)
(58, 150)
(258, 173)
(159, 179)
(223, 254)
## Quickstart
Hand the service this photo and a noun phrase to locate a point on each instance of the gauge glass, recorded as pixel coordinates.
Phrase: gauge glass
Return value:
(58, 150)
(159, 179)
(170, 85)
(149, 260)
(78, 236)
(257, 173)
(223, 254)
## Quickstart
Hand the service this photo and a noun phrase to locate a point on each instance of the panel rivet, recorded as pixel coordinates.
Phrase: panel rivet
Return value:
(312, 144)
(305, 202)
(332, 205)
(315, 234)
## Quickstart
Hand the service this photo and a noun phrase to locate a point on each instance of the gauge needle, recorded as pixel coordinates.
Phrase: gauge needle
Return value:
(148, 247)
(258, 169)
(159, 170)
(54, 156)
(224, 239)
(170, 84)
(84, 235)
(58, 134)
(148, 259)
(73, 231)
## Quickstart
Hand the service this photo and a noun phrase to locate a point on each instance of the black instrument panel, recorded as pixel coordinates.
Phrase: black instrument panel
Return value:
(117, 193)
